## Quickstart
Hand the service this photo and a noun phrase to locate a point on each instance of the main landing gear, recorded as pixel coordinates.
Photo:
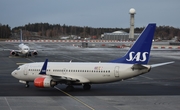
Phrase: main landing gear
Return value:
(86, 86)
(28, 55)
(71, 88)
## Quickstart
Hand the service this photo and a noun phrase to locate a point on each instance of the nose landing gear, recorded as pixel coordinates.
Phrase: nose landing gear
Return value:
(27, 85)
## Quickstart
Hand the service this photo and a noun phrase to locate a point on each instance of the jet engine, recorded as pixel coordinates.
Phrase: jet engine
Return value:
(13, 52)
(34, 52)
(43, 82)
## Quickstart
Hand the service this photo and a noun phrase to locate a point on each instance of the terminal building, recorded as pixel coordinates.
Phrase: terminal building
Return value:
(118, 35)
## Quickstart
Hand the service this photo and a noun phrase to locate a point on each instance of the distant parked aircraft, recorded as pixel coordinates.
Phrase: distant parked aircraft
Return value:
(22, 49)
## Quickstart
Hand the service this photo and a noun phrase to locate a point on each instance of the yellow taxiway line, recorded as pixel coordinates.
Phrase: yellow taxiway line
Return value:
(74, 98)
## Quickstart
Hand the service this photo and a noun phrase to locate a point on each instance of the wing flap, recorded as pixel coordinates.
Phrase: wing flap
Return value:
(69, 78)
(58, 78)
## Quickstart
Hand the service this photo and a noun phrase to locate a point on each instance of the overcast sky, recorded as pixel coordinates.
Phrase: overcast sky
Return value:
(92, 13)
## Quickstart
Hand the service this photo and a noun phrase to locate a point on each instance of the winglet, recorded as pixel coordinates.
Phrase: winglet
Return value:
(44, 68)
(140, 51)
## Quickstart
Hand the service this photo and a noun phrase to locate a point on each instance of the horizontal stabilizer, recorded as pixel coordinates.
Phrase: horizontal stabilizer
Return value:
(161, 64)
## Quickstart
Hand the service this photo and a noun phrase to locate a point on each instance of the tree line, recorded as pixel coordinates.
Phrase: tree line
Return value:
(55, 31)
(5, 31)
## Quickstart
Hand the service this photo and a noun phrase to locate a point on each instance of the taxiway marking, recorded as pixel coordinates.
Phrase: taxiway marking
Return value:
(147, 77)
(24, 63)
(74, 98)
(8, 103)
(29, 59)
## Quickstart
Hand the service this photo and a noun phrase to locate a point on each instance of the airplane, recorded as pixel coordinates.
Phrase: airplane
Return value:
(132, 64)
(22, 49)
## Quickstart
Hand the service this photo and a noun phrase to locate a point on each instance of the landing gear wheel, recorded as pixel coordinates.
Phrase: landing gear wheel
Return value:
(26, 55)
(27, 84)
(86, 86)
(29, 54)
(69, 88)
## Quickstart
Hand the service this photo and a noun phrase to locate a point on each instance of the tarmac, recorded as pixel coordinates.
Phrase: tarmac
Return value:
(157, 90)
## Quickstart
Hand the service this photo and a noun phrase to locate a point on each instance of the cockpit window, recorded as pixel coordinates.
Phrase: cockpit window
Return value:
(18, 69)
(25, 48)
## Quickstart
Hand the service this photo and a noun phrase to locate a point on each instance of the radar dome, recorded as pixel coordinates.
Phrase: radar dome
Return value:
(132, 11)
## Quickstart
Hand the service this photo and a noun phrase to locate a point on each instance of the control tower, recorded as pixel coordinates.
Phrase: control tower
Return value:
(132, 12)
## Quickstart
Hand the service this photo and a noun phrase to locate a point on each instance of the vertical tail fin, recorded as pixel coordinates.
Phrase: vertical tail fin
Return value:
(140, 51)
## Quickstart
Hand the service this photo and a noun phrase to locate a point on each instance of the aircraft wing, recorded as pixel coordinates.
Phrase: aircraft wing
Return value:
(161, 64)
(70, 78)
(32, 50)
(17, 51)
(6, 49)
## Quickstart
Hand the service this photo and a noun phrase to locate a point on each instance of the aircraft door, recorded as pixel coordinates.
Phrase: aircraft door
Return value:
(64, 71)
(116, 71)
(25, 71)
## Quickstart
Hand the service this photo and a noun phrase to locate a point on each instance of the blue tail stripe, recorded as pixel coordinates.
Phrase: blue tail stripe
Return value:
(44, 68)
(140, 51)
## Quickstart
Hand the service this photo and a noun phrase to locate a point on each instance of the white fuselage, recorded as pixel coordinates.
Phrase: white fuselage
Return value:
(85, 72)
(24, 49)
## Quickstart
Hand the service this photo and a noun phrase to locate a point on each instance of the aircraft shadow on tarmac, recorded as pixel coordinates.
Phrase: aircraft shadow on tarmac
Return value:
(120, 89)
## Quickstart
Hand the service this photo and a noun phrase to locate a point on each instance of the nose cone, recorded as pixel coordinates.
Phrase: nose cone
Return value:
(14, 74)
